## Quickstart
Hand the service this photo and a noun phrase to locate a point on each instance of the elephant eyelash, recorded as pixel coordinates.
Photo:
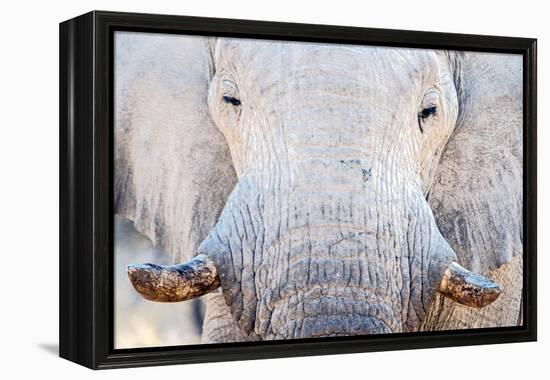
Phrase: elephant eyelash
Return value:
(427, 112)
(231, 100)
(424, 114)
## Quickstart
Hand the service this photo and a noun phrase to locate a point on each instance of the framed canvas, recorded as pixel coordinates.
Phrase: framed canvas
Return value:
(236, 189)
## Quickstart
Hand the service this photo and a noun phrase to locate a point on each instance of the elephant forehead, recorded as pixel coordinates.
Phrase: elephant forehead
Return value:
(267, 62)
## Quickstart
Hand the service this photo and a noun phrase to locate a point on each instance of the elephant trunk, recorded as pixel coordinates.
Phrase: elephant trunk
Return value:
(299, 262)
(306, 261)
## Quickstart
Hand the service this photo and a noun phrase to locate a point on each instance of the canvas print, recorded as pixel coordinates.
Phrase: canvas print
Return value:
(280, 190)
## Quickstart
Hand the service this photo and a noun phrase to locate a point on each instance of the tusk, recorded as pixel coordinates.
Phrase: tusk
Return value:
(175, 283)
(468, 288)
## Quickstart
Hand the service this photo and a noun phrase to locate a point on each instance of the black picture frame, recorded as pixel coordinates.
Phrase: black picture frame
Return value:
(86, 188)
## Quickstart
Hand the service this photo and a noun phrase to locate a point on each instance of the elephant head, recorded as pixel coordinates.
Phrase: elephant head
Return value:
(323, 189)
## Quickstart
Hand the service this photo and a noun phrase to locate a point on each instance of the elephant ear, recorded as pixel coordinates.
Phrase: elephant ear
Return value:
(173, 171)
(477, 193)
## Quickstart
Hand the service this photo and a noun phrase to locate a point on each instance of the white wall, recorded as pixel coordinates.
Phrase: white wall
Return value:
(29, 177)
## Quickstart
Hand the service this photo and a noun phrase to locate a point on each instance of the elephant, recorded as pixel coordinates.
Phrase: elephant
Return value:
(309, 190)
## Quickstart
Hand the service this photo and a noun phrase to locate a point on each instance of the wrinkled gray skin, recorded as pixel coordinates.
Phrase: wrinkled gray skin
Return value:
(329, 206)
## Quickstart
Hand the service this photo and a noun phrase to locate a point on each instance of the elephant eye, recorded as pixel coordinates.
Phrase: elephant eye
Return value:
(424, 115)
(428, 111)
(231, 100)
